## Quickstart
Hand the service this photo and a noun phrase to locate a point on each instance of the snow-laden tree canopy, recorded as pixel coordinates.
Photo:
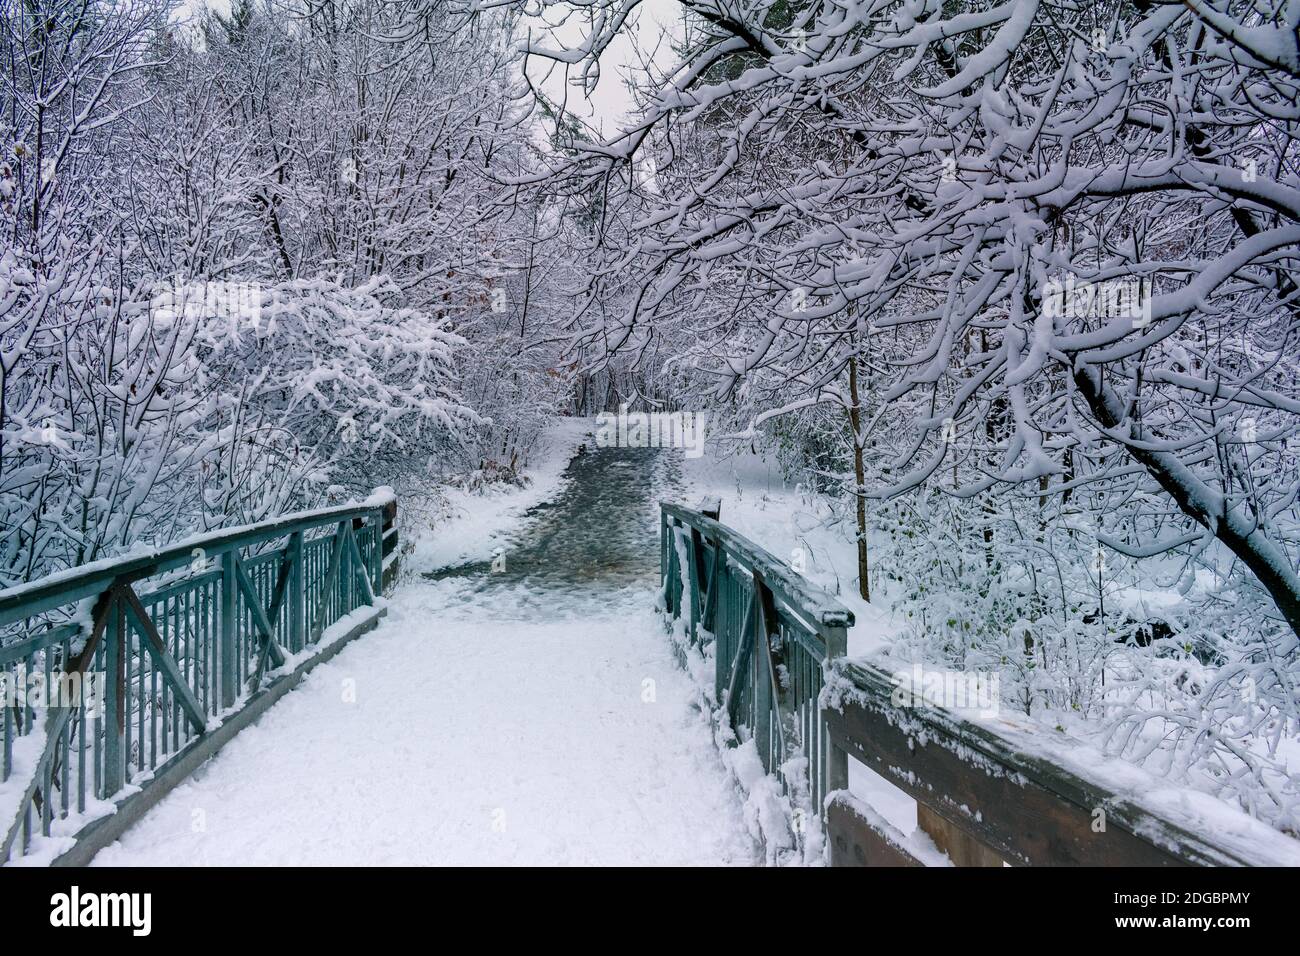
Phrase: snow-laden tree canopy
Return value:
(1045, 254)
(252, 260)
(1061, 236)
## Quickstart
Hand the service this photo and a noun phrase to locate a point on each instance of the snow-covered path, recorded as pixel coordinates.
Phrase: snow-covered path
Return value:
(491, 719)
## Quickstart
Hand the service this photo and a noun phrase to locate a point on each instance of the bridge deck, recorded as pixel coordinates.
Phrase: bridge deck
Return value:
(494, 717)
(469, 740)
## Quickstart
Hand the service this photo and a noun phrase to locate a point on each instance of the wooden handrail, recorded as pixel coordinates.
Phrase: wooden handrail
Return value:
(994, 782)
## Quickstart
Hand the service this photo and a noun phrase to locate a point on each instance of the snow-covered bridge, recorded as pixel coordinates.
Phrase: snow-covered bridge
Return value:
(524, 709)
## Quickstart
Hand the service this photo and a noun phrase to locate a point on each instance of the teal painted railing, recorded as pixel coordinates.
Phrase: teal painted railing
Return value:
(773, 634)
(983, 796)
(150, 653)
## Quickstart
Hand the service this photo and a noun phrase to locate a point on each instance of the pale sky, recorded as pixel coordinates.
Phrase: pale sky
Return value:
(611, 101)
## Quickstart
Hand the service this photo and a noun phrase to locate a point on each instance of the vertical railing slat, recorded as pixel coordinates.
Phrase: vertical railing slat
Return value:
(296, 596)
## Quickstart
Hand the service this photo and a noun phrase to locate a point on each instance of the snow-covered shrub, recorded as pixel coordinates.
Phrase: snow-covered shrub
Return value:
(138, 415)
(325, 386)
(1174, 668)
(237, 257)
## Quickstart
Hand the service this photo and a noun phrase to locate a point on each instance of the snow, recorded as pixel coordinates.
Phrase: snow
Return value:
(917, 843)
(476, 737)
(477, 725)
(789, 522)
(480, 521)
(226, 348)
(26, 756)
(1200, 813)
(91, 570)
(757, 502)
(891, 803)
(544, 719)
(27, 752)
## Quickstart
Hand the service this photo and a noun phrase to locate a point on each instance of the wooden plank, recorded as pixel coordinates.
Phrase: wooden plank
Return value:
(991, 800)
(376, 569)
(960, 847)
(1026, 810)
(391, 571)
(390, 542)
(856, 841)
(388, 570)
(1027, 824)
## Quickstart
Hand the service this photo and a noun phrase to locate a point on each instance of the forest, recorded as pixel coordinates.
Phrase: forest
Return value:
(1010, 285)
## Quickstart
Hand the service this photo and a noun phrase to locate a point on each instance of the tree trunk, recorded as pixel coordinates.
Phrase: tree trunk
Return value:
(860, 477)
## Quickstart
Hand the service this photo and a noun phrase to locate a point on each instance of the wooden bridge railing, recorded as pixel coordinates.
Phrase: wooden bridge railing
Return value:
(989, 793)
(122, 676)
(986, 794)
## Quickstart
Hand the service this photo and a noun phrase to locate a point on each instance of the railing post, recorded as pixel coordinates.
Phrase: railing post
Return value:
(667, 561)
(693, 576)
(663, 551)
(345, 580)
(115, 697)
(769, 733)
(297, 592)
(721, 627)
(837, 760)
(345, 571)
(388, 545)
(226, 636)
(674, 574)
(182, 636)
(759, 686)
(377, 552)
